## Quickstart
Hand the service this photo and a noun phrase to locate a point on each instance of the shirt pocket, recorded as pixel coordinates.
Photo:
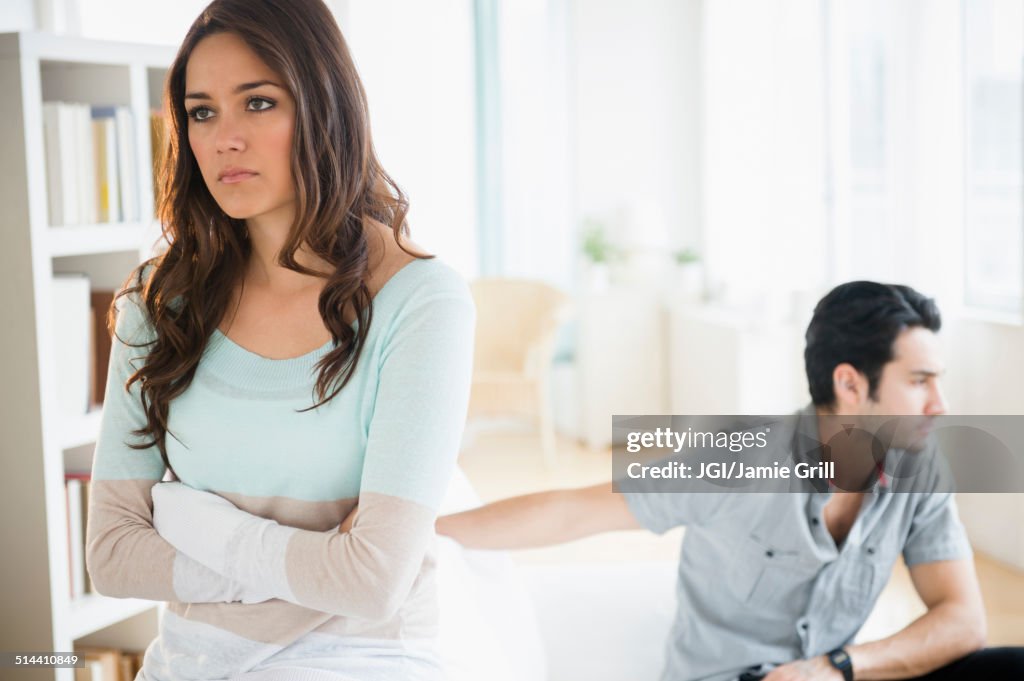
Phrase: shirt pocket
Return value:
(864, 577)
(766, 574)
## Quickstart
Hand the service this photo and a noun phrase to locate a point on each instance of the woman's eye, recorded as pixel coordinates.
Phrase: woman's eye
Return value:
(199, 114)
(260, 104)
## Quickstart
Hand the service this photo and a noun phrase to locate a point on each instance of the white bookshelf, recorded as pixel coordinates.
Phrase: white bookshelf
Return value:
(81, 431)
(39, 614)
(90, 239)
(93, 612)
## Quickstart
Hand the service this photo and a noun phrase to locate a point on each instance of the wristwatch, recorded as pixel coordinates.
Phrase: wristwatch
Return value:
(840, 659)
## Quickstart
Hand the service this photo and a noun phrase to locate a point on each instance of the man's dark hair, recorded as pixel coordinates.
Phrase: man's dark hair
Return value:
(857, 323)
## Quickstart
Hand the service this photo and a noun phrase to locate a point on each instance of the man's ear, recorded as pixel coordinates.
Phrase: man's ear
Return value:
(850, 387)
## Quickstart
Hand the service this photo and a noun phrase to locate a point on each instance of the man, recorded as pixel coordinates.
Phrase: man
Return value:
(776, 586)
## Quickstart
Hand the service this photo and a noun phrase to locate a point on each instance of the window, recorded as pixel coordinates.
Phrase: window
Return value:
(994, 219)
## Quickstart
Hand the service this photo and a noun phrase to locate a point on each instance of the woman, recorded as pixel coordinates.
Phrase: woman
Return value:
(288, 357)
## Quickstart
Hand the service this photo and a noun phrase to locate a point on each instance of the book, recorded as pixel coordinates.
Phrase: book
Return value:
(107, 660)
(86, 494)
(92, 671)
(72, 324)
(117, 151)
(129, 180)
(54, 168)
(105, 157)
(90, 164)
(83, 156)
(128, 668)
(67, 520)
(137, 660)
(99, 157)
(84, 480)
(76, 541)
(60, 139)
(101, 343)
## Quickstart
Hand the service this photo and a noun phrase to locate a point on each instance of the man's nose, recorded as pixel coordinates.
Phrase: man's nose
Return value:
(936, 401)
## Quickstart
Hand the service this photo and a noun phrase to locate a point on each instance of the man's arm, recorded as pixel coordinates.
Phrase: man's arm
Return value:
(540, 519)
(953, 626)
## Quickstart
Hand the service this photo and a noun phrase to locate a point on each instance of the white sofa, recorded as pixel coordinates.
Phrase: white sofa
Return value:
(503, 621)
(603, 622)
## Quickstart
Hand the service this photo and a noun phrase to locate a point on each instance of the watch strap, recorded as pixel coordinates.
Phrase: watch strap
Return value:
(840, 659)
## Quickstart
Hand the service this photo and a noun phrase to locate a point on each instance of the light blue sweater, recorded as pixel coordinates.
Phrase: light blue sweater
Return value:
(246, 548)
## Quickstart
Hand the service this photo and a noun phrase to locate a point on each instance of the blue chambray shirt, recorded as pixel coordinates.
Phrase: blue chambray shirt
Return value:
(762, 581)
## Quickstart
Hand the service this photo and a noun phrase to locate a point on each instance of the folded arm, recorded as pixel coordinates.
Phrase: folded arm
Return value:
(125, 556)
(412, 446)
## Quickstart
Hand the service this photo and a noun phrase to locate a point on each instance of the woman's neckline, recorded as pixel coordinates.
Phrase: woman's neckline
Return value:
(316, 352)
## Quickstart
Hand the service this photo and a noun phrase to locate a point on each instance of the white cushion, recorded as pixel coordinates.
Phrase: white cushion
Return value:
(488, 628)
(604, 621)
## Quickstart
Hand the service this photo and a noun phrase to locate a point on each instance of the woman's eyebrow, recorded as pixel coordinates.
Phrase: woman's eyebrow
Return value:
(241, 88)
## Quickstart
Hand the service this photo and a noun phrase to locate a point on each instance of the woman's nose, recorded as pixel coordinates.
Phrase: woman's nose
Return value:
(229, 135)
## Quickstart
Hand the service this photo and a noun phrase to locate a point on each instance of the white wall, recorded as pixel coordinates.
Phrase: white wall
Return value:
(139, 21)
(17, 15)
(985, 366)
(635, 126)
(418, 74)
(536, 223)
(763, 156)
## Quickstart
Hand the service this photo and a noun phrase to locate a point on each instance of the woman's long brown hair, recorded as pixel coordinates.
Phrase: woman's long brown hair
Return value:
(339, 184)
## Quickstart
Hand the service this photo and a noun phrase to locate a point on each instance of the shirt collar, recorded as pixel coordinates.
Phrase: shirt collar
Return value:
(807, 444)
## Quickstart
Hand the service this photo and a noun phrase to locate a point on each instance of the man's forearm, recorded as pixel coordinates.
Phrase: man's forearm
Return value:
(945, 633)
(517, 523)
(540, 519)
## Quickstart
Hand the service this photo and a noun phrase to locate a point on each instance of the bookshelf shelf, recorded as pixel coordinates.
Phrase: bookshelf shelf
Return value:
(92, 612)
(81, 431)
(76, 50)
(39, 440)
(89, 239)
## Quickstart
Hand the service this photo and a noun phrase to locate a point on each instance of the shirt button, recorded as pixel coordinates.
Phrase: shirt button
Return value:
(814, 521)
(804, 626)
(871, 551)
(769, 553)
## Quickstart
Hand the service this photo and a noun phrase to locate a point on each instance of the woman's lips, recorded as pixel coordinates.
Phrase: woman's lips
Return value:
(235, 178)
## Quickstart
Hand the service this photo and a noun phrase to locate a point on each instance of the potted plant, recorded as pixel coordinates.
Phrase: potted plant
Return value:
(689, 275)
(599, 252)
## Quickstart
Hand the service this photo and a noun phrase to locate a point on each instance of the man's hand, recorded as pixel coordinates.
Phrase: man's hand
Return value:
(814, 669)
(540, 519)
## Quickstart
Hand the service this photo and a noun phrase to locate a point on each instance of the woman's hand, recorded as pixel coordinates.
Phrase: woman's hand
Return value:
(346, 524)
(169, 522)
(200, 524)
(169, 495)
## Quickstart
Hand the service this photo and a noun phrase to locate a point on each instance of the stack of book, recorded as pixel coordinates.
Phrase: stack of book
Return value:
(82, 343)
(77, 488)
(90, 164)
(108, 664)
